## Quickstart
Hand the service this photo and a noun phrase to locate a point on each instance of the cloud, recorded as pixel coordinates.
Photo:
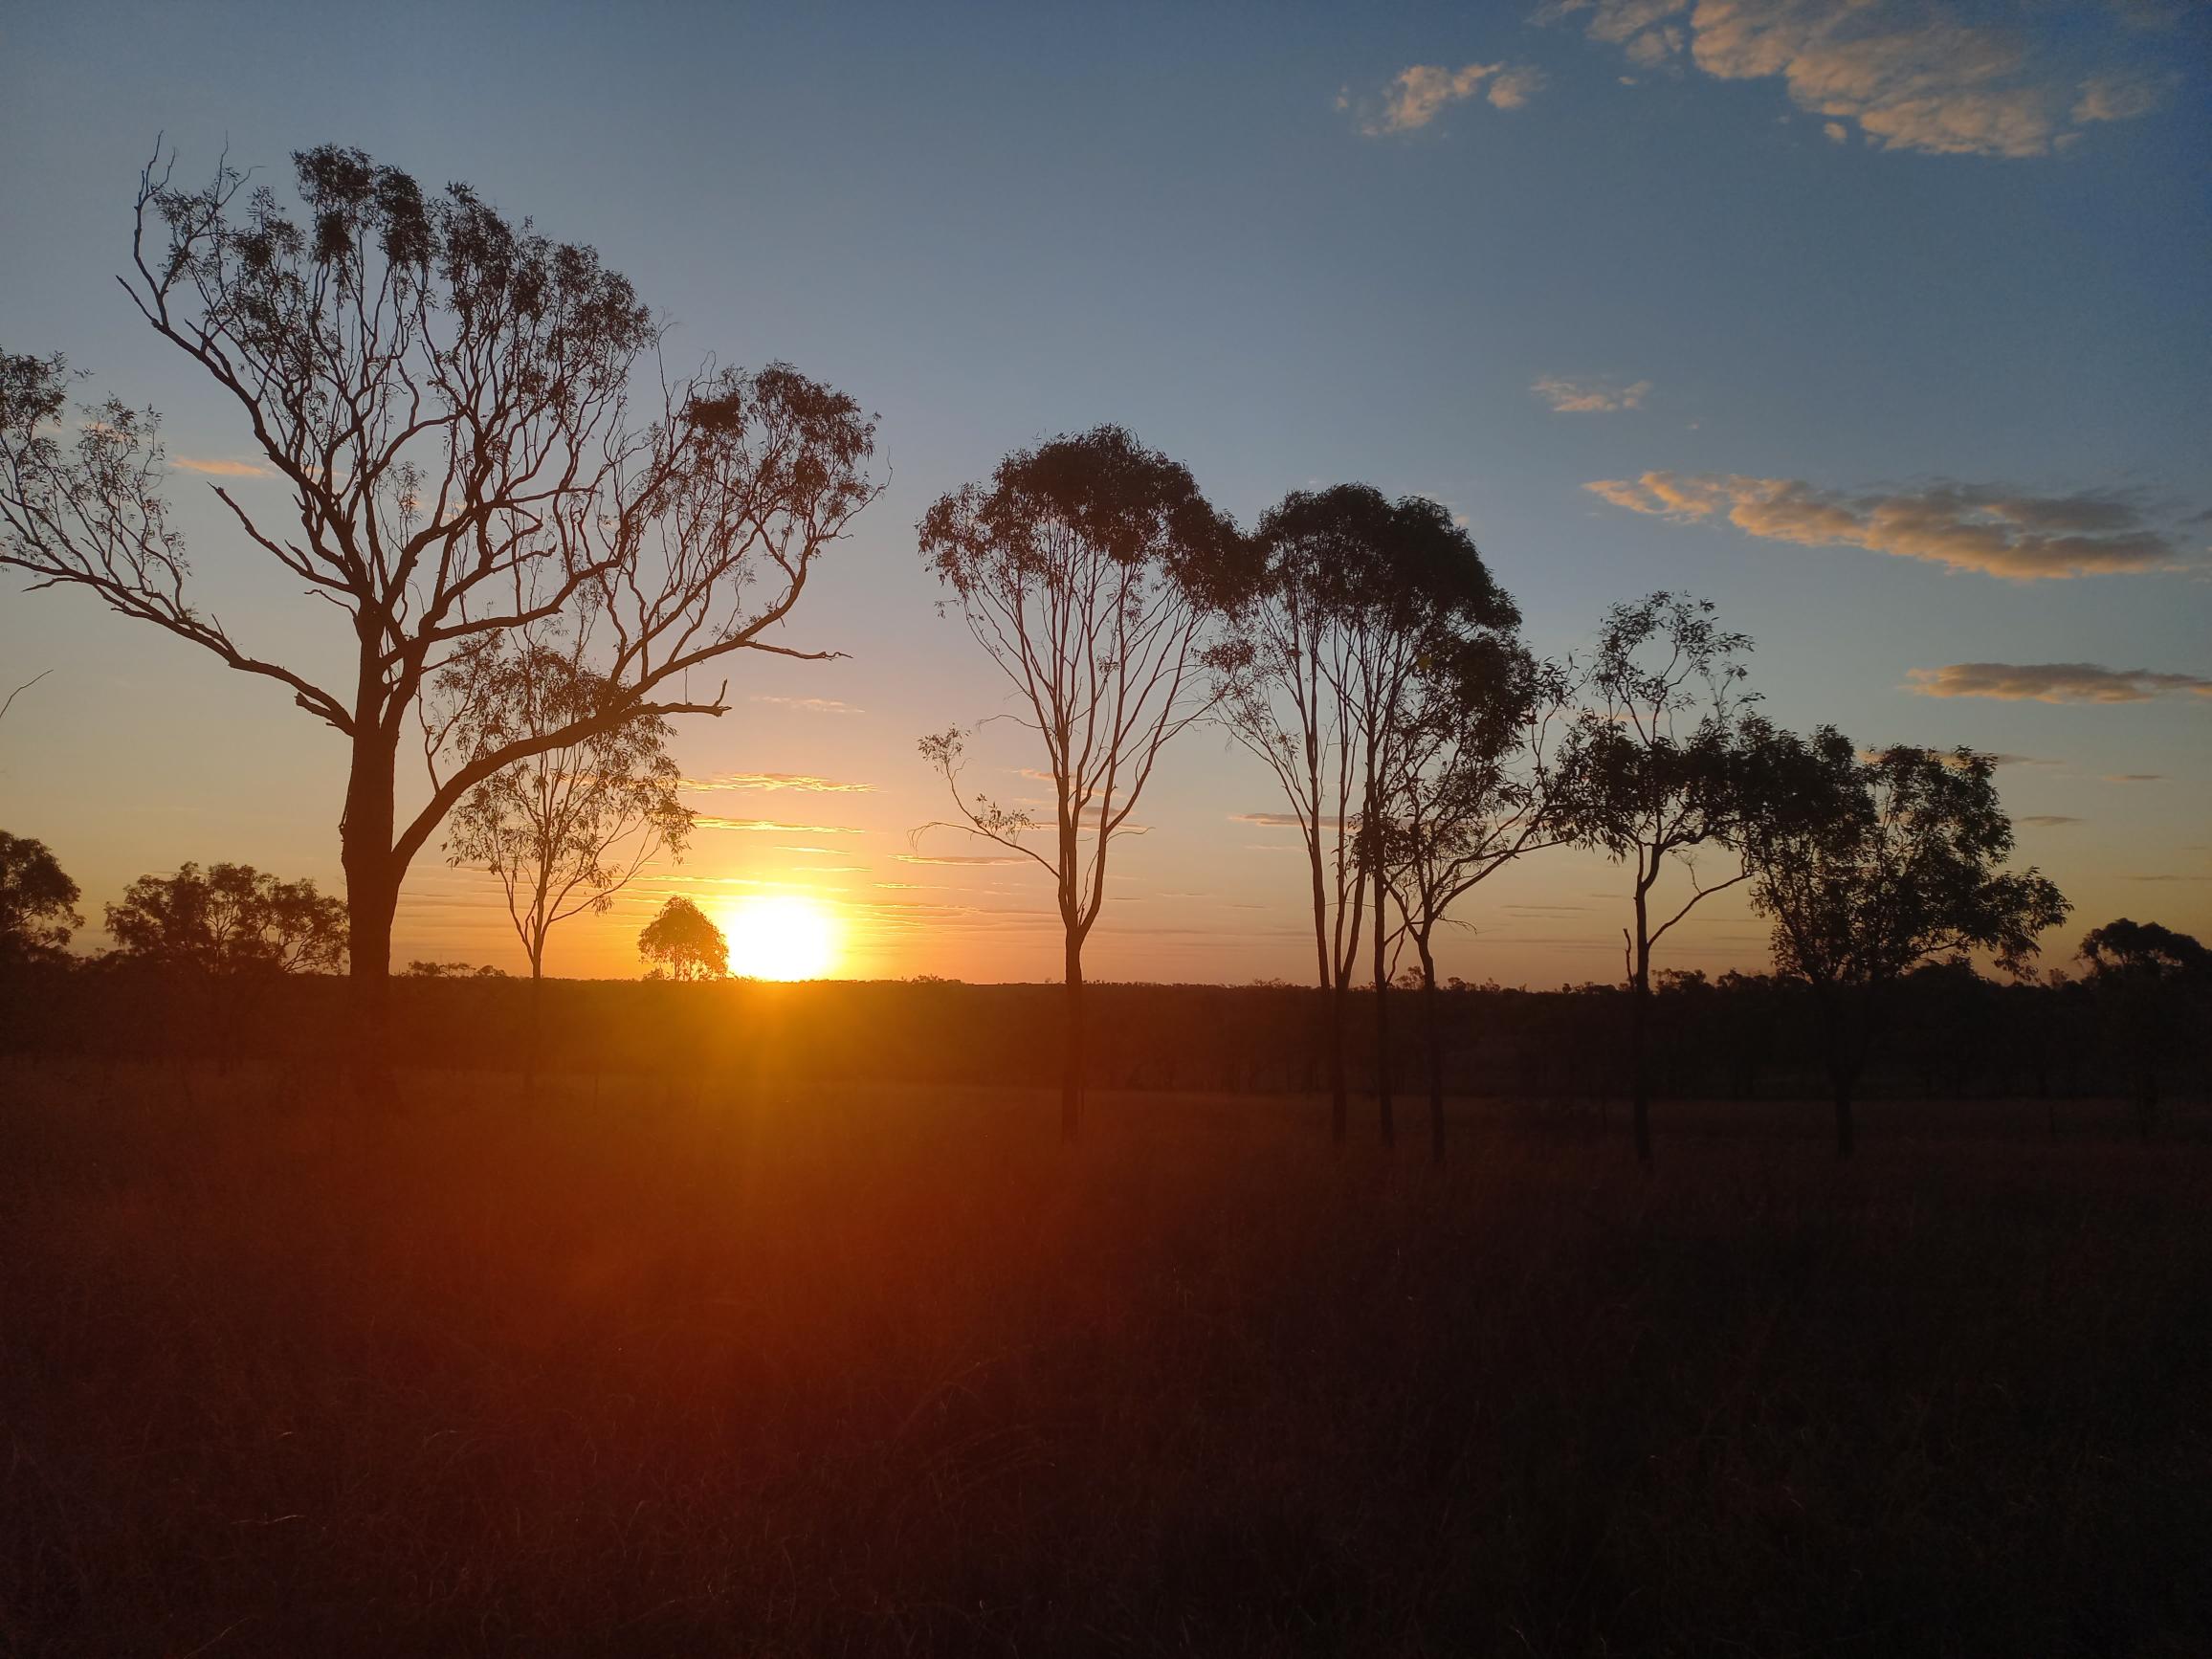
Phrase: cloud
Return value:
(2117, 98)
(2053, 682)
(2048, 820)
(1837, 132)
(1417, 94)
(1513, 87)
(1588, 396)
(2166, 879)
(810, 705)
(770, 824)
(2134, 777)
(775, 781)
(1950, 757)
(1913, 75)
(221, 469)
(1988, 528)
(960, 858)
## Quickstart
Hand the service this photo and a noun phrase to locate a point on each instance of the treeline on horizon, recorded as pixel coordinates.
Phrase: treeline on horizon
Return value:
(1955, 1035)
(547, 553)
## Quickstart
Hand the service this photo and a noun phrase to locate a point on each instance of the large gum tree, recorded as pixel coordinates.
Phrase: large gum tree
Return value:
(474, 434)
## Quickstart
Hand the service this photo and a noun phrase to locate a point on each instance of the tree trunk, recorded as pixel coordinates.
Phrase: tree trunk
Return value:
(373, 878)
(1432, 1017)
(1072, 1046)
(1640, 1014)
(1383, 1104)
(535, 1033)
(1339, 1088)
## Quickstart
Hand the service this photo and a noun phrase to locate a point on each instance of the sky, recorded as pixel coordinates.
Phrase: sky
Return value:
(1884, 325)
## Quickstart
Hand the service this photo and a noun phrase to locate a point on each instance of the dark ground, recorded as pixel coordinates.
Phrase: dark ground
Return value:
(678, 1372)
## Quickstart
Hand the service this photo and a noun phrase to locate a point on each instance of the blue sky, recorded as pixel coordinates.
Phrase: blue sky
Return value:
(1883, 319)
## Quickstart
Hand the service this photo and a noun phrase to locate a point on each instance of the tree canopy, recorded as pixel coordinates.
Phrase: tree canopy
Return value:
(683, 944)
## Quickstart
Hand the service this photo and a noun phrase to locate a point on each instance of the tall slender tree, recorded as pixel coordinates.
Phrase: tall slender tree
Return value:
(1647, 775)
(564, 829)
(1469, 791)
(472, 435)
(1356, 594)
(1089, 570)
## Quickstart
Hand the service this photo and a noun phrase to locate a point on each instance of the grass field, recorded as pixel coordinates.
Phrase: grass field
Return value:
(654, 1369)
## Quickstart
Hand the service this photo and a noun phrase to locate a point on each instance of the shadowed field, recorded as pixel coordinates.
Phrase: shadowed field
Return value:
(631, 1368)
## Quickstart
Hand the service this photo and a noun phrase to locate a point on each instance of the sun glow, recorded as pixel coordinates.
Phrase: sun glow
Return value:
(782, 937)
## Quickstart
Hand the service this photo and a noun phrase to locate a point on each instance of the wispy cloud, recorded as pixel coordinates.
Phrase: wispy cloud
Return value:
(773, 825)
(2048, 820)
(1950, 757)
(810, 705)
(1419, 93)
(2134, 777)
(2053, 682)
(960, 858)
(1988, 528)
(1570, 396)
(775, 781)
(1911, 75)
(221, 469)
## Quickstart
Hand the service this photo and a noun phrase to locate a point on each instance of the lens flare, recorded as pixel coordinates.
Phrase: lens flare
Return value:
(781, 937)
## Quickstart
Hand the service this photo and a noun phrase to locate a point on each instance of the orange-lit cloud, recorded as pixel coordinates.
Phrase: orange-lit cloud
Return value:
(1588, 396)
(1417, 94)
(221, 469)
(810, 705)
(1979, 527)
(705, 822)
(1913, 75)
(775, 781)
(960, 858)
(2053, 682)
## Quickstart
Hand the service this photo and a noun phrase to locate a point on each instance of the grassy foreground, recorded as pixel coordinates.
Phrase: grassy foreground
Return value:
(666, 1371)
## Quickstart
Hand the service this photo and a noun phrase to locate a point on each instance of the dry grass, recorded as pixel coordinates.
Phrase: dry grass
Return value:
(668, 1372)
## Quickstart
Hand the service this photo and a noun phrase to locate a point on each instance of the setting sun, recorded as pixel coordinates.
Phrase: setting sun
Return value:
(780, 938)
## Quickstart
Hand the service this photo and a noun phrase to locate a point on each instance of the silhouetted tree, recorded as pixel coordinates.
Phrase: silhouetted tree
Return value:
(1646, 774)
(1467, 791)
(37, 903)
(446, 398)
(1355, 594)
(1088, 571)
(228, 919)
(566, 830)
(419, 969)
(2148, 979)
(683, 944)
(224, 934)
(1870, 867)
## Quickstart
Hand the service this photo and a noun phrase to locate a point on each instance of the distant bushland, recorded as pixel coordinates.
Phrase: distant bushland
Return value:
(1954, 1034)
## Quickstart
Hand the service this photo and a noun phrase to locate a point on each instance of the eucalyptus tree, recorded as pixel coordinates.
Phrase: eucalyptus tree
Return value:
(1647, 775)
(2155, 985)
(564, 830)
(1355, 594)
(1089, 570)
(228, 921)
(466, 430)
(1872, 865)
(1468, 790)
(37, 903)
(683, 943)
